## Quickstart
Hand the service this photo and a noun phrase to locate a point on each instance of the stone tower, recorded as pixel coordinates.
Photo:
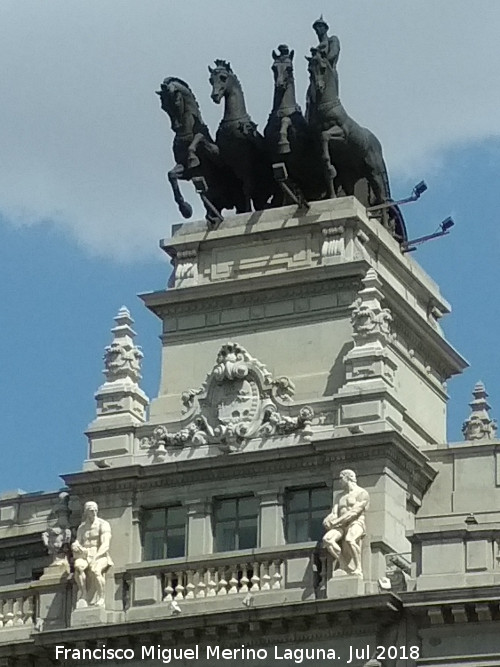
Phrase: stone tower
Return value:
(306, 343)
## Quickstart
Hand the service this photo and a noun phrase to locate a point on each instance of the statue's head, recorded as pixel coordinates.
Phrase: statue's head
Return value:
(320, 27)
(220, 77)
(282, 66)
(318, 68)
(347, 476)
(90, 510)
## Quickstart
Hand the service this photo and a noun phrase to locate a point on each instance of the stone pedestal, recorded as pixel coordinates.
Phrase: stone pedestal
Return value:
(344, 586)
(88, 616)
(54, 597)
(56, 571)
(331, 275)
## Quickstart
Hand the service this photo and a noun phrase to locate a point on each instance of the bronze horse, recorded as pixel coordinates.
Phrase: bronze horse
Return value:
(288, 136)
(195, 152)
(241, 146)
(351, 154)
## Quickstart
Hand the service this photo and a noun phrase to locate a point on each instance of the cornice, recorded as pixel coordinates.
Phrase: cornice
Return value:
(258, 626)
(316, 456)
(293, 283)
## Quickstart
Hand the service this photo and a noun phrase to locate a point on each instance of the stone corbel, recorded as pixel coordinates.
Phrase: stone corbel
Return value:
(360, 242)
(186, 268)
(333, 246)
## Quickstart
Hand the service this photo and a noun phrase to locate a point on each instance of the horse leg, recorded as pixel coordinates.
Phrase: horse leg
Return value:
(330, 171)
(377, 175)
(283, 143)
(193, 160)
(247, 199)
(173, 178)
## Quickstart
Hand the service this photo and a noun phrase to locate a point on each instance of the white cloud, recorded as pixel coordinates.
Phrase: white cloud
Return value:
(83, 140)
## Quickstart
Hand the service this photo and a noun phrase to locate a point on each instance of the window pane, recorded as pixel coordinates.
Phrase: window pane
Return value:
(298, 500)
(321, 498)
(317, 530)
(154, 545)
(298, 527)
(225, 537)
(176, 545)
(248, 507)
(247, 534)
(154, 519)
(225, 509)
(176, 516)
(176, 542)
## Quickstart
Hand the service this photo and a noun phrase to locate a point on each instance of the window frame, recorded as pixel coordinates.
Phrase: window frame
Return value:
(165, 530)
(237, 518)
(310, 508)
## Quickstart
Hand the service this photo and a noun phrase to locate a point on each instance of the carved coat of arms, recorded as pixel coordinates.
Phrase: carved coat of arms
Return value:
(239, 400)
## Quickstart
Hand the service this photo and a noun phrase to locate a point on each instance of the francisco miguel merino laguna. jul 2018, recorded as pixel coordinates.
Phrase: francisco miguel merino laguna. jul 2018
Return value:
(296, 655)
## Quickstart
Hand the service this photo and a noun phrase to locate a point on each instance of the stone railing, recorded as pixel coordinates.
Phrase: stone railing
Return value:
(235, 575)
(18, 606)
(218, 577)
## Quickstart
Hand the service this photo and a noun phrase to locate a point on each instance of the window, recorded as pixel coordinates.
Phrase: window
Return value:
(164, 533)
(305, 510)
(236, 523)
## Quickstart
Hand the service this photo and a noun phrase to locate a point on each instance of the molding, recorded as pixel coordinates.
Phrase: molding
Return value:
(318, 457)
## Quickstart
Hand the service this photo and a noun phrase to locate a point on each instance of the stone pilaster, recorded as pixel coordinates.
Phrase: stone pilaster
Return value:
(200, 538)
(271, 518)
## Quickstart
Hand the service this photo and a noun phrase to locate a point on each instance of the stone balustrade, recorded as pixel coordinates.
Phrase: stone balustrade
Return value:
(239, 575)
(215, 579)
(17, 606)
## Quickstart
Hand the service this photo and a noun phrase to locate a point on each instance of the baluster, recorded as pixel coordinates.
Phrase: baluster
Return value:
(212, 582)
(9, 614)
(190, 587)
(2, 618)
(222, 583)
(201, 587)
(179, 589)
(168, 591)
(29, 610)
(244, 581)
(18, 611)
(277, 577)
(233, 582)
(265, 578)
(255, 578)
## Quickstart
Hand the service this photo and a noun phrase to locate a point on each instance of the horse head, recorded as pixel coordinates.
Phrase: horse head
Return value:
(319, 70)
(282, 67)
(177, 99)
(221, 78)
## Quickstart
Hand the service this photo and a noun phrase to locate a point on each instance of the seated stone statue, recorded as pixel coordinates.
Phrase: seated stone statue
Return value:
(345, 526)
(91, 553)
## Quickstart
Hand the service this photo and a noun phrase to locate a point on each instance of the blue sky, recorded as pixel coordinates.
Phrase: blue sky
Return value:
(83, 199)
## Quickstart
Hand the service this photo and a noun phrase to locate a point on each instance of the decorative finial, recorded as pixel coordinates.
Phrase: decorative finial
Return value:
(122, 359)
(479, 425)
(371, 323)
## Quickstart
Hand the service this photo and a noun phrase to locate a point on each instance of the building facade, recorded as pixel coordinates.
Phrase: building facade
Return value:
(296, 345)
